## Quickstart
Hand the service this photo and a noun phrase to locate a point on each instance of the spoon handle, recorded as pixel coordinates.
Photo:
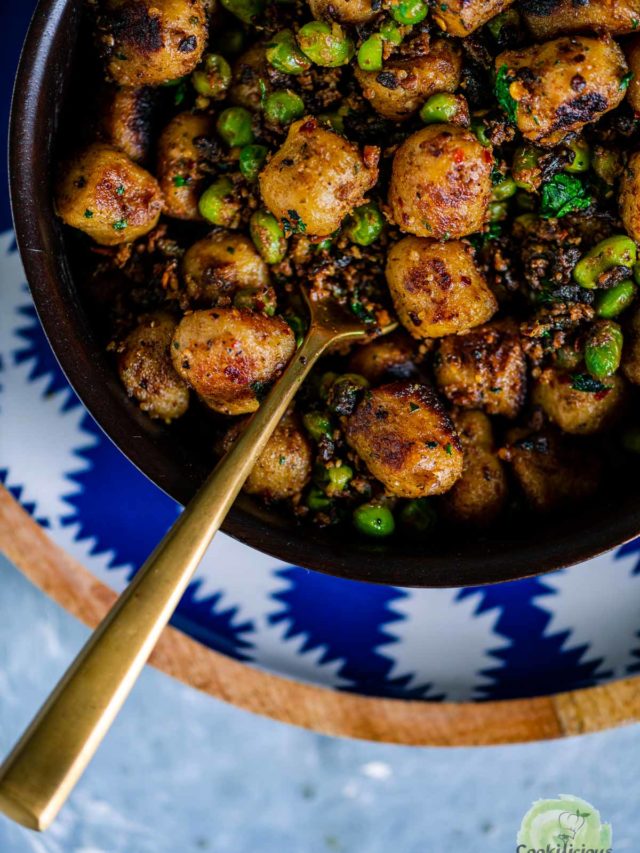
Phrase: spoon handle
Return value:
(46, 763)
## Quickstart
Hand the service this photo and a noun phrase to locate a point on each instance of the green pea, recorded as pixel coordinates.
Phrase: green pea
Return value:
(334, 120)
(374, 519)
(268, 237)
(603, 349)
(283, 107)
(504, 189)
(524, 168)
(318, 425)
(631, 439)
(317, 501)
(498, 211)
(234, 126)
(325, 44)
(581, 156)
(284, 54)
(409, 11)
(419, 516)
(370, 53)
(251, 160)
(245, 10)
(391, 32)
(439, 108)
(479, 128)
(610, 303)
(213, 77)
(218, 203)
(615, 251)
(365, 224)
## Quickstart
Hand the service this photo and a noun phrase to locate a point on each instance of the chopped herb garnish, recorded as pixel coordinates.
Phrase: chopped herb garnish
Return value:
(180, 93)
(624, 83)
(294, 224)
(120, 190)
(448, 449)
(496, 389)
(282, 460)
(413, 408)
(431, 444)
(120, 225)
(562, 194)
(88, 214)
(180, 181)
(586, 383)
(503, 95)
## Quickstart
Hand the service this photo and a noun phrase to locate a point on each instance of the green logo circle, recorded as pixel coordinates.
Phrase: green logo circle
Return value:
(564, 824)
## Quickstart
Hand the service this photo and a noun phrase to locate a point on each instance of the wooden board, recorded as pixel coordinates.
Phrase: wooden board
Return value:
(323, 710)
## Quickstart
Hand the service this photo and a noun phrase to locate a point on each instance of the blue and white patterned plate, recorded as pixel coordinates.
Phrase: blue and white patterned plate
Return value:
(570, 629)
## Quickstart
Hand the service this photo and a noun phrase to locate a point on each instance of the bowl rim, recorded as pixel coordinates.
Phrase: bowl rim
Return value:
(39, 80)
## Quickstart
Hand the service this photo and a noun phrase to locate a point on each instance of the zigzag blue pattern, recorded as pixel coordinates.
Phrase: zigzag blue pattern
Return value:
(347, 620)
(533, 664)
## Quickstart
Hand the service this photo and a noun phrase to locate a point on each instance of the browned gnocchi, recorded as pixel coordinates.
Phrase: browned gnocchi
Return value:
(108, 196)
(180, 164)
(436, 287)
(441, 183)
(231, 356)
(316, 178)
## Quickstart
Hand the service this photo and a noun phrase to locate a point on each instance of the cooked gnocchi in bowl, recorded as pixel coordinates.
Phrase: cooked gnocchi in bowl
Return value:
(469, 170)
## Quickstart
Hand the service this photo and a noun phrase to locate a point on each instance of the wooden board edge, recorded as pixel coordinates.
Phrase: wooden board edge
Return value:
(416, 723)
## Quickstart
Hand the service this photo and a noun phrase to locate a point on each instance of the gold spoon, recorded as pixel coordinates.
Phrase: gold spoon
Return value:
(50, 757)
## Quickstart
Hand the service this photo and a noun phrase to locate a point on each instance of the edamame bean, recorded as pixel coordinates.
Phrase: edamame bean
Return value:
(498, 211)
(245, 10)
(609, 303)
(524, 168)
(251, 160)
(439, 108)
(317, 501)
(298, 326)
(365, 224)
(504, 20)
(217, 203)
(318, 425)
(581, 156)
(479, 128)
(284, 54)
(370, 53)
(409, 11)
(391, 32)
(213, 77)
(337, 479)
(326, 382)
(615, 251)
(374, 519)
(504, 189)
(283, 107)
(325, 44)
(606, 164)
(228, 42)
(268, 237)
(603, 349)
(568, 357)
(234, 126)
(419, 516)
(636, 273)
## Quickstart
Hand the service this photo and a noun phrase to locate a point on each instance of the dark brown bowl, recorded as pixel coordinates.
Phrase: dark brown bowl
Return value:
(512, 550)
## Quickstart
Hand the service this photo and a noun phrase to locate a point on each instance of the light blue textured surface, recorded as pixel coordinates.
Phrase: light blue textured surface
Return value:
(182, 773)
